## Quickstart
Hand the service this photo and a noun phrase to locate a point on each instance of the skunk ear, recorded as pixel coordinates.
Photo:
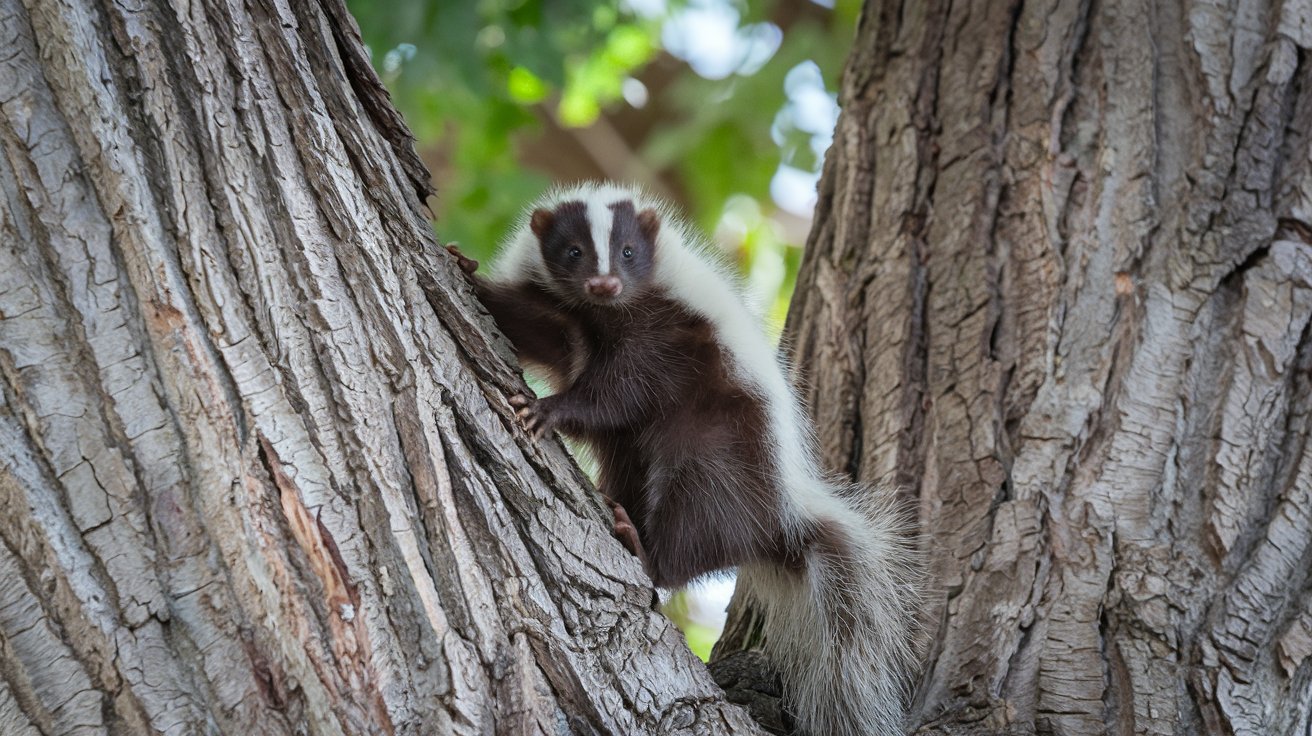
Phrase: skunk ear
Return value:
(649, 222)
(541, 222)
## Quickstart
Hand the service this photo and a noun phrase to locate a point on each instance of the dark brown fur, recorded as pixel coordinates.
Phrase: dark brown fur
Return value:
(682, 444)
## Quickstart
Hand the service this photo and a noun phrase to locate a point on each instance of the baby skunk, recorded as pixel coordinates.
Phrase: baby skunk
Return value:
(661, 368)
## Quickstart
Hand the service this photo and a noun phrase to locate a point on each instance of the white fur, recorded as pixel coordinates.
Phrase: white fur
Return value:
(848, 688)
(602, 218)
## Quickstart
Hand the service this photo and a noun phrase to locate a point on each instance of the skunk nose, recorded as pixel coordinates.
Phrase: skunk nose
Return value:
(607, 286)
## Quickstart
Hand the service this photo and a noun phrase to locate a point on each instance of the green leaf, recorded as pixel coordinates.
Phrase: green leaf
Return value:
(525, 87)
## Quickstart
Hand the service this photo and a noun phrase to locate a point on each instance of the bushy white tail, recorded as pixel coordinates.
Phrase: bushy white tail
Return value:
(845, 631)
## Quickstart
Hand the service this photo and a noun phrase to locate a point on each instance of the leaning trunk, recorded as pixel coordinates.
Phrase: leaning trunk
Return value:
(1059, 290)
(257, 470)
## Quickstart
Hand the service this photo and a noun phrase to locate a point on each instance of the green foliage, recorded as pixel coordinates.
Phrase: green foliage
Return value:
(725, 147)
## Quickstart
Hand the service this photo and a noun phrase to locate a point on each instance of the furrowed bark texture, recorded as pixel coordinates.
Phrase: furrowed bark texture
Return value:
(257, 471)
(1059, 289)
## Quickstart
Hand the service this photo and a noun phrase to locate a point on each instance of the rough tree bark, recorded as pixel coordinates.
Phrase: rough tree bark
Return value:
(1060, 290)
(257, 472)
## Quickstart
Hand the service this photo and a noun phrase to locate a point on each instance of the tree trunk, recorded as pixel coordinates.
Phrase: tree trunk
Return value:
(1060, 289)
(257, 471)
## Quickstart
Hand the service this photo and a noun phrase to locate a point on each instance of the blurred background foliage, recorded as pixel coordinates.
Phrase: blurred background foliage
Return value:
(725, 107)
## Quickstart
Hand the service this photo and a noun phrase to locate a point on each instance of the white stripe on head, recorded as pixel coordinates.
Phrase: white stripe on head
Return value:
(602, 219)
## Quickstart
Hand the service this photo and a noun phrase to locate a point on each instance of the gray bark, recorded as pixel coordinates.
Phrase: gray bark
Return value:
(1060, 289)
(257, 470)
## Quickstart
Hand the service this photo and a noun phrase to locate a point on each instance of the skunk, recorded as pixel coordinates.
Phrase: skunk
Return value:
(663, 370)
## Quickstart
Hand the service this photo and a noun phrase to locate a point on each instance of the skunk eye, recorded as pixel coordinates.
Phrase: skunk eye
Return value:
(575, 253)
(628, 252)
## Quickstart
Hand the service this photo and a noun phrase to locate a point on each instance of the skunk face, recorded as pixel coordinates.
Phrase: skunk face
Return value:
(597, 251)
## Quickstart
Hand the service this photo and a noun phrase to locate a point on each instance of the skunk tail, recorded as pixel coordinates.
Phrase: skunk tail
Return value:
(845, 627)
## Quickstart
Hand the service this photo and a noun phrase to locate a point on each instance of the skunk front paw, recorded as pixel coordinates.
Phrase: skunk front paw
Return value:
(467, 264)
(537, 415)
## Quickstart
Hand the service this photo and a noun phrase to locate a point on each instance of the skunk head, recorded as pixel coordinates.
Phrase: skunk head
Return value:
(598, 249)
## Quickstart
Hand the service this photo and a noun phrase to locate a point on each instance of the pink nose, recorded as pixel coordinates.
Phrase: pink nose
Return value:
(607, 286)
